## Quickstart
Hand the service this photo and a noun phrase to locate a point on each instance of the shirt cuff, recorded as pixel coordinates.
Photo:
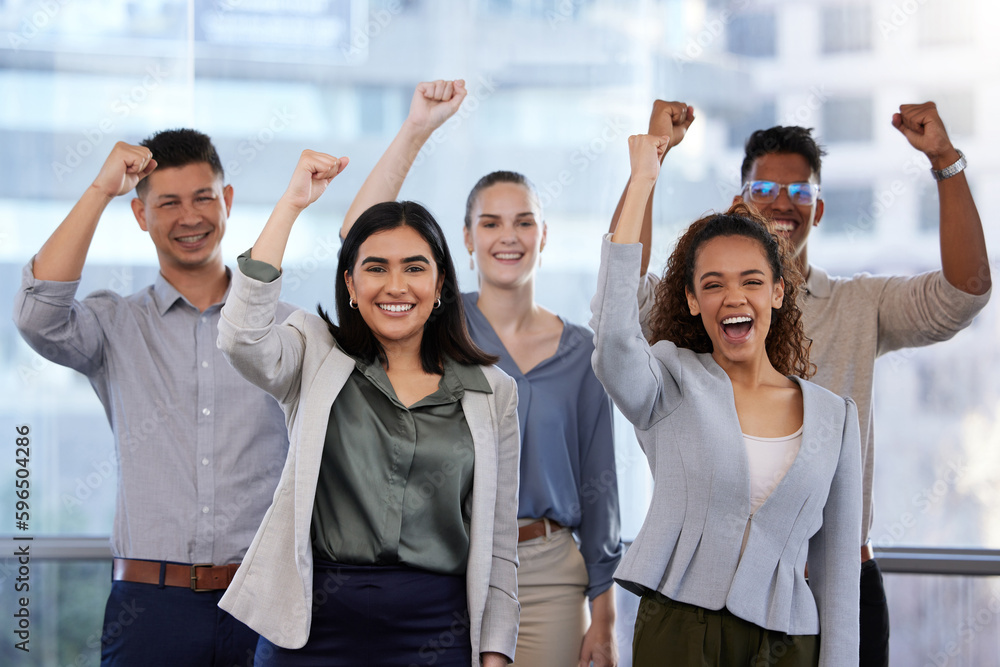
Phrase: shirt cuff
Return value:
(256, 269)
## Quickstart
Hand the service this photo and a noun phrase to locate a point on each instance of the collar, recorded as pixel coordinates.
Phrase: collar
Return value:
(455, 381)
(166, 295)
(818, 283)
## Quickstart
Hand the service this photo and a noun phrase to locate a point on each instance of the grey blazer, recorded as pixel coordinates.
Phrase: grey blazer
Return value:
(298, 363)
(684, 413)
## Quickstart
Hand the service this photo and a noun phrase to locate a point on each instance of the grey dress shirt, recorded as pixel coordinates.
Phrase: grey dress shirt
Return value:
(199, 448)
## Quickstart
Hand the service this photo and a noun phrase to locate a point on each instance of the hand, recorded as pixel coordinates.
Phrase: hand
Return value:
(645, 152)
(312, 174)
(599, 646)
(672, 120)
(922, 127)
(125, 166)
(434, 102)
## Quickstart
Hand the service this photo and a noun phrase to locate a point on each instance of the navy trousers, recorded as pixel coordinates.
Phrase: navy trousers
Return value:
(147, 625)
(368, 616)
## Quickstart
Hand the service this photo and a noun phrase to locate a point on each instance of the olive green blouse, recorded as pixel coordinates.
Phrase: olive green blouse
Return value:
(395, 482)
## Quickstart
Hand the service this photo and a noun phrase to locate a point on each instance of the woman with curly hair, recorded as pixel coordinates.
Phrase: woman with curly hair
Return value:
(756, 470)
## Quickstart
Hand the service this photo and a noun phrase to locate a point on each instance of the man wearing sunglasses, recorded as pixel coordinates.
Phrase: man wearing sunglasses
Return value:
(852, 321)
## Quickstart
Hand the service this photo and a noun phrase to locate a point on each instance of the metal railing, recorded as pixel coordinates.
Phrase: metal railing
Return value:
(896, 560)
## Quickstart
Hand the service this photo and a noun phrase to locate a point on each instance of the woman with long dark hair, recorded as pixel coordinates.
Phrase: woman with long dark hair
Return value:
(391, 539)
(756, 470)
(569, 536)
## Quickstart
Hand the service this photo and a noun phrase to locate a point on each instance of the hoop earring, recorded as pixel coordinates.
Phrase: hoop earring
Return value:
(352, 303)
(437, 303)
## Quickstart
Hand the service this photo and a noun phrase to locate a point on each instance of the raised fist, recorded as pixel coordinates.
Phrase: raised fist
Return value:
(645, 152)
(671, 120)
(312, 174)
(434, 102)
(922, 127)
(125, 166)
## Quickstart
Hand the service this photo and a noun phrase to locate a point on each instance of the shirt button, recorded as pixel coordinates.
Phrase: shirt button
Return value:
(204, 364)
(204, 462)
(206, 411)
(205, 510)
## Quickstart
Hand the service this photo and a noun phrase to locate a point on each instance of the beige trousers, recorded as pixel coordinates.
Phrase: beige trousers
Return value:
(551, 580)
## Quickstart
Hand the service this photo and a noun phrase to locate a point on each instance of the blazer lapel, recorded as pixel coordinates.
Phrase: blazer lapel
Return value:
(478, 409)
(319, 396)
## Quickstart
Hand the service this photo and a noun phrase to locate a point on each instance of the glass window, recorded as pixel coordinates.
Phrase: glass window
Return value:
(847, 119)
(848, 211)
(846, 28)
(752, 35)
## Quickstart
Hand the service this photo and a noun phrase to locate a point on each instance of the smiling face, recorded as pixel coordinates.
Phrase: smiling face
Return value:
(734, 292)
(185, 210)
(395, 282)
(506, 234)
(792, 221)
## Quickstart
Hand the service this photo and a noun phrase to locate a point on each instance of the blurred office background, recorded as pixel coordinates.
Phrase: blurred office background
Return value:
(556, 86)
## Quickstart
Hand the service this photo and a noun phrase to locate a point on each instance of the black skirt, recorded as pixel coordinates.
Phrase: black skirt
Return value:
(365, 616)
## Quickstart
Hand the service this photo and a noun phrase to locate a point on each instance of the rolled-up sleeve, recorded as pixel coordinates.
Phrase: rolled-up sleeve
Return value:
(264, 352)
(57, 326)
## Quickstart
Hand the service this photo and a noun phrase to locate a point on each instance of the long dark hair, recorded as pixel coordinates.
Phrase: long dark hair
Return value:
(445, 333)
(787, 347)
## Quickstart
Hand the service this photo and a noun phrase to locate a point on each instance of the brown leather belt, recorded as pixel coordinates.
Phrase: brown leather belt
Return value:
(867, 553)
(537, 529)
(200, 577)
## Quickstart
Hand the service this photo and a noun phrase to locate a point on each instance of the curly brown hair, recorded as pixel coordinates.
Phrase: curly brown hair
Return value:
(671, 319)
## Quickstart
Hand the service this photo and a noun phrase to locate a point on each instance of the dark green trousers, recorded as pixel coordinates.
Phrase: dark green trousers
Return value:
(675, 634)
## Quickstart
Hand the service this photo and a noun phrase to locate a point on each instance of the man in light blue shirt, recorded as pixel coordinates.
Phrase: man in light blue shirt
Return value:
(199, 449)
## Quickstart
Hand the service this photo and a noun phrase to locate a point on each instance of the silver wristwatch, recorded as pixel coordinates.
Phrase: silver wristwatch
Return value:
(952, 169)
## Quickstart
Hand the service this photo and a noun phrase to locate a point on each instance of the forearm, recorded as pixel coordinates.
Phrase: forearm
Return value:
(634, 207)
(270, 245)
(494, 660)
(603, 610)
(63, 255)
(646, 235)
(964, 259)
(386, 179)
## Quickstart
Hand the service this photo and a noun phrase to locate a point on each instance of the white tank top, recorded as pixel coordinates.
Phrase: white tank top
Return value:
(770, 459)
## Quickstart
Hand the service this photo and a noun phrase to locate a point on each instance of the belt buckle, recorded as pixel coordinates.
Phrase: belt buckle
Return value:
(194, 578)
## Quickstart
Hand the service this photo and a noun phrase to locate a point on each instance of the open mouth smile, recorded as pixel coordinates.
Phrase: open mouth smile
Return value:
(736, 329)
